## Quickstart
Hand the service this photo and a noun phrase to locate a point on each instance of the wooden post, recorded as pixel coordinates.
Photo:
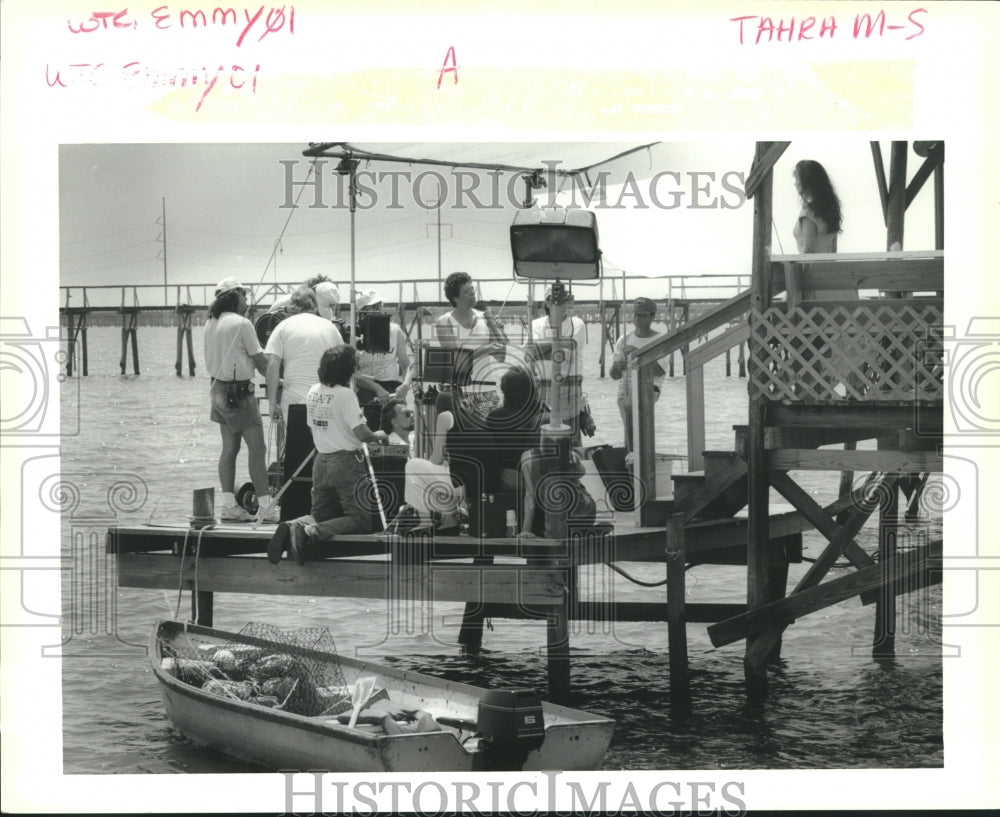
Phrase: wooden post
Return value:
(201, 607)
(694, 387)
(83, 339)
(741, 361)
(557, 620)
(884, 638)
(758, 477)
(71, 337)
(680, 690)
(685, 317)
(896, 202)
(470, 634)
(729, 364)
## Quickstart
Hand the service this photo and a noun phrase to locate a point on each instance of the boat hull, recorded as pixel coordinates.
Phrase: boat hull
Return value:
(284, 741)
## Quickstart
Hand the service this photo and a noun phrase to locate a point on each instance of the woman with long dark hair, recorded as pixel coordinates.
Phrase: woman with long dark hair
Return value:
(232, 352)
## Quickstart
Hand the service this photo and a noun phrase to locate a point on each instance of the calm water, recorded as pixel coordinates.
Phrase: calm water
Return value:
(146, 442)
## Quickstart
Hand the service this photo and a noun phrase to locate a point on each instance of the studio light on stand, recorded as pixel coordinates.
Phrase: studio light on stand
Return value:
(555, 244)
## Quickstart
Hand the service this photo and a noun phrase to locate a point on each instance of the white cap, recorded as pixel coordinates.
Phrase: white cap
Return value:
(327, 298)
(227, 285)
(369, 298)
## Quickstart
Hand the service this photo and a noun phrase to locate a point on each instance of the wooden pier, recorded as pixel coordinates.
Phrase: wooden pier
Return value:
(803, 398)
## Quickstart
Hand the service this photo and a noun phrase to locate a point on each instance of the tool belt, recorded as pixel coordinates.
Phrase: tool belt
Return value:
(236, 390)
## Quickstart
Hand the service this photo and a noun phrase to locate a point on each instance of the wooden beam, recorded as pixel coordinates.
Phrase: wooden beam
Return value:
(758, 469)
(896, 202)
(723, 477)
(349, 578)
(844, 534)
(922, 175)
(810, 459)
(763, 164)
(689, 333)
(701, 354)
(680, 691)
(816, 437)
(904, 572)
(883, 189)
(925, 415)
(694, 392)
(917, 271)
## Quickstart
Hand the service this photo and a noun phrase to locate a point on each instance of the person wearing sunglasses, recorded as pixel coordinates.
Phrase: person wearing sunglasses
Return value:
(397, 422)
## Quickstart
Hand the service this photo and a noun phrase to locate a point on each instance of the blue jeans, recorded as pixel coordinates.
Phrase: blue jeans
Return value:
(341, 496)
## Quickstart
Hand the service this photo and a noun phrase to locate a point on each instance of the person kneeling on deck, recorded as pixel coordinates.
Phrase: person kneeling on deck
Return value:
(340, 475)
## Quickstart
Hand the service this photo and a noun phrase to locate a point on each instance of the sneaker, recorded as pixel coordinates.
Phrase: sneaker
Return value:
(279, 540)
(271, 515)
(236, 513)
(298, 543)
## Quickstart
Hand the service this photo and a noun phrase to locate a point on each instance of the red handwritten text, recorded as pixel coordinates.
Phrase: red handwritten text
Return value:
(136, 74)
(99, 20)
(263, 19)
(446, 68)
(754, 29)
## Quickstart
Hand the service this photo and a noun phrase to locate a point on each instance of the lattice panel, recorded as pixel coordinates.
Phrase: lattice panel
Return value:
(873, 352)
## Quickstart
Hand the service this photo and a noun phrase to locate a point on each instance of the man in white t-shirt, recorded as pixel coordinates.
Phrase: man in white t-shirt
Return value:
(294, 350)
(643, 312)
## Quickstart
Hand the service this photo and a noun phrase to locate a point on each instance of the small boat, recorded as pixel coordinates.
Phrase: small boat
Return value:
(272, 702)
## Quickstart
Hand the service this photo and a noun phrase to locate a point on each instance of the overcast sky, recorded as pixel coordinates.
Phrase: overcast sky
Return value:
(225, 213)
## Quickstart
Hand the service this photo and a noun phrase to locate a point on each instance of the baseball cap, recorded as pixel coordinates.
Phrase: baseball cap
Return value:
(227, 285)
(327, 298)
(644, 306)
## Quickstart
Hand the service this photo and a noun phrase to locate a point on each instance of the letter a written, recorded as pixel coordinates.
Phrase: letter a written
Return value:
(445, 67)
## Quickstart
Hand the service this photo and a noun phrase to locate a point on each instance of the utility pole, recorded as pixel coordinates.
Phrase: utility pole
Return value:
(162, 221)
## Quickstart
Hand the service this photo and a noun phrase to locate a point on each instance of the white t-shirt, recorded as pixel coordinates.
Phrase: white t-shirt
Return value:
(333, 414)
(631, 339)
(486, 370)
(230, 343)
(300, 340)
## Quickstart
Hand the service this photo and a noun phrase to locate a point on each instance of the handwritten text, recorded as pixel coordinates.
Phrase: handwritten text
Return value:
(754, 29)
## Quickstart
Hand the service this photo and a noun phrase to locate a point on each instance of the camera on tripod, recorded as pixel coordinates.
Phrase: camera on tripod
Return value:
(371, 332)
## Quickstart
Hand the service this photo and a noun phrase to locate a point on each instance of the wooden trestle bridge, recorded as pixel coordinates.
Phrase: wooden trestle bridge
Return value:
(820, 373)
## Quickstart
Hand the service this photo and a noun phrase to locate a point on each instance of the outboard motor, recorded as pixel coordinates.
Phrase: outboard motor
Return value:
(511, 724)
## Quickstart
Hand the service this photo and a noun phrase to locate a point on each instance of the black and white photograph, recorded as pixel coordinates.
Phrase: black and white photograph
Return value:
(609, 459)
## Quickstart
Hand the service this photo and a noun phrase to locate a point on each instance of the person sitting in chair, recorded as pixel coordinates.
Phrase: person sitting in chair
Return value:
(397, 422)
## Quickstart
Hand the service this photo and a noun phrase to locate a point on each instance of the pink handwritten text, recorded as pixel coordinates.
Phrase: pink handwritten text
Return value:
(250, 23)
(136, 74)
(754, 29)
(274, 20)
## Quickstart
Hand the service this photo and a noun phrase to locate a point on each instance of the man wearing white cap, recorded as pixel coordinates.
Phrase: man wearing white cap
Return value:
(390, 369)
(231, 355)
